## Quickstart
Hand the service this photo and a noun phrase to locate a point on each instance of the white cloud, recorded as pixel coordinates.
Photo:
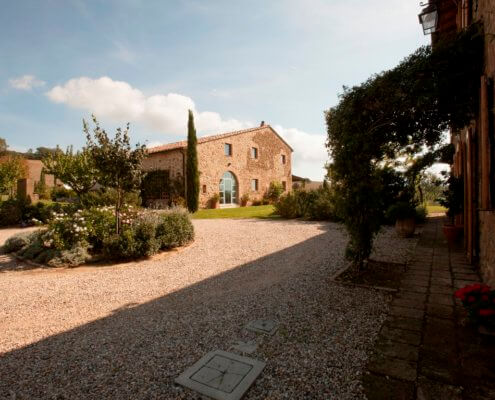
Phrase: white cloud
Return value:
(26, 82)
(310, 153)
(119, 101)
(167, 113)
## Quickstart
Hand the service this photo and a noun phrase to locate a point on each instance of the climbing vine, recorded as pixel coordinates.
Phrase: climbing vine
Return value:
(401, 111)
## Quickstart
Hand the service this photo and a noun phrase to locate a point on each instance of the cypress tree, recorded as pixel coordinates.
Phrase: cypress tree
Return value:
(192, 174)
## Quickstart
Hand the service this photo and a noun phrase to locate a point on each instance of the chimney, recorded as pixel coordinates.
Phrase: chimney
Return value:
(262, 123)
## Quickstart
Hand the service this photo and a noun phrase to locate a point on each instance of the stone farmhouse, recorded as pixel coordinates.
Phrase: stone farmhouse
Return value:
(230, 164)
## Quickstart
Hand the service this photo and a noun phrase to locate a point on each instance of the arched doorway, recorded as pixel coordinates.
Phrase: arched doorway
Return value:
(228, 189)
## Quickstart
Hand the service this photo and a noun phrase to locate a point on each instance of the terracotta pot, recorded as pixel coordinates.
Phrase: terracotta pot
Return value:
(213, 204)
(405, 227)
(452, 233)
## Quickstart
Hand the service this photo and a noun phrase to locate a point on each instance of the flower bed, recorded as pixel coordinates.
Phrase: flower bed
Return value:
(84, 235)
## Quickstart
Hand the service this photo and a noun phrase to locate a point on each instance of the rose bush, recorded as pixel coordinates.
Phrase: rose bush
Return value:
(479, 300)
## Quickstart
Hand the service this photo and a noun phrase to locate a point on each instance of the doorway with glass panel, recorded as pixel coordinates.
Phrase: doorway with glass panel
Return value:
(228, 190)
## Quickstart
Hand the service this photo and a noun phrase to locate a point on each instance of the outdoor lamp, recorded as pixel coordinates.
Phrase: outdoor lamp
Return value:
(429, 18)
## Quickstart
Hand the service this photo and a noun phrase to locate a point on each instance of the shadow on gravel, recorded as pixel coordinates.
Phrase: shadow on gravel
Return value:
(138, 350)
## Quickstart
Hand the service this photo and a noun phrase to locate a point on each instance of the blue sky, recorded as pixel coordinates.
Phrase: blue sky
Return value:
(234, 63)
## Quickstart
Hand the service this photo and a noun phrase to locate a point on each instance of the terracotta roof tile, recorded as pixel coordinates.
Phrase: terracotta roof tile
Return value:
(183, 144)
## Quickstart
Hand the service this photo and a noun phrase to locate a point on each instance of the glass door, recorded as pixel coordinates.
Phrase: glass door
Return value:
(228, 189)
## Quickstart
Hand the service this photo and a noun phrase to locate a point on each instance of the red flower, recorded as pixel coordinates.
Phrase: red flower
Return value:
(486, 312)
(471, 299)
(484, 297)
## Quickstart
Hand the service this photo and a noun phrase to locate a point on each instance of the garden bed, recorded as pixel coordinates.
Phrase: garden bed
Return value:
(377, 274)
(72, 239)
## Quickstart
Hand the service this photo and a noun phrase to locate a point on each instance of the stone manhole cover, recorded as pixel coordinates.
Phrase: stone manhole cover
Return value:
(267, 326)
(221, 375)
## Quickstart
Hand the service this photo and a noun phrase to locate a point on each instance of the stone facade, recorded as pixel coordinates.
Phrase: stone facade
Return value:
(269, 166)
(474, 159)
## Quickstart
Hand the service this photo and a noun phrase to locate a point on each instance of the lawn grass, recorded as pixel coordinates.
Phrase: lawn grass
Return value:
(434, 208)
(238, 212)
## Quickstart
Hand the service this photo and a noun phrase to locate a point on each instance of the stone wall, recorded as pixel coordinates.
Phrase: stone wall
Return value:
(268, 167)
(171, 160)
(213, 163)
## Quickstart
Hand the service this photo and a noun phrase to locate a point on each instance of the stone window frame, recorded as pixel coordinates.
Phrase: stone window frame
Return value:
(228, 152)
(255, 185)
(254, 153)
(283, 159)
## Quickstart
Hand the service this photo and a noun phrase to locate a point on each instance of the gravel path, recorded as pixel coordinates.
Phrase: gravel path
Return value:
(126, 331)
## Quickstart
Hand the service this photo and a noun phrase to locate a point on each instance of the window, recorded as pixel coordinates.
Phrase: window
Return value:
(282, 158)
(284, 185)
(254, 152)
(204, 188)
(254, 185)
(228, 149)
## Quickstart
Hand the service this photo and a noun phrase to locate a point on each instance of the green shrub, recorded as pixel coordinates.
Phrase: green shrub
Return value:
(322, 207)
(175, 229)
(17, 242)
(72, 258)
(61, 192)
(421, 213)
(10, 212)
(400, 210)
(119, 247)
(288, 206)
(273, 193)
(34, 247)
(100, 222)
(145, 241)
(314, 204)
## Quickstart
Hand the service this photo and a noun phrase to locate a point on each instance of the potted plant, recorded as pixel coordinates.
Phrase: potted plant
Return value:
(453, 200)
(479, 301)
(244, 199)
(404, 215)
(214, 200)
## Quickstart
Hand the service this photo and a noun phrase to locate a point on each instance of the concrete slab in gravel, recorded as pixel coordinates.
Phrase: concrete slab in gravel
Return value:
(221, 375)
(244, 347)
(266, 326)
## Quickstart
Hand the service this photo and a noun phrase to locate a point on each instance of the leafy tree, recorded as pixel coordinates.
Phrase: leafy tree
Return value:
(3, 146)
(192, 174)
(401, 111)
(41, 188)
(12, 168)
(431, 187)
(75, 169)
(118, 165)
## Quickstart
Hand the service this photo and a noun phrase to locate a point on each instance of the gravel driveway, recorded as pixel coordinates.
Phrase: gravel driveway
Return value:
(126, 331)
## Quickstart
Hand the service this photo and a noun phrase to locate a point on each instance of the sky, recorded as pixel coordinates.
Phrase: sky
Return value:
(234, 63)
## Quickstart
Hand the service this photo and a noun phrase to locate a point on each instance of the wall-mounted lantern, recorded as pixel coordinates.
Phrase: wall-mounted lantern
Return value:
(429, 18)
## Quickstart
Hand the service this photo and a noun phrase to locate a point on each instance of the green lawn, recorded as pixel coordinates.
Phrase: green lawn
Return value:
(432, 208)
(238, 212)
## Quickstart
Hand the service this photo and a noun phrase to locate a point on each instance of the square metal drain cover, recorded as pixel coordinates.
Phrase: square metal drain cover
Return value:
(267, 326)
(221, 375)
